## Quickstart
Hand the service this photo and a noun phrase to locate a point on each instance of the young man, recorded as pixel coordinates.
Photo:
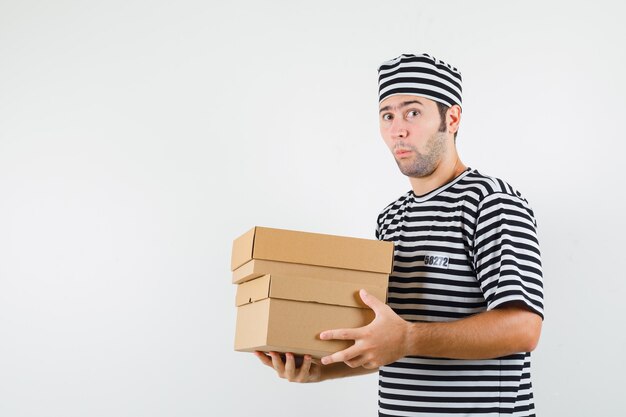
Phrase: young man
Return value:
(465, 300)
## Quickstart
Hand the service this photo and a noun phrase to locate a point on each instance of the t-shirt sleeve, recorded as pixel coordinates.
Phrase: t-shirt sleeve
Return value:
(506, 253)
(378, 232)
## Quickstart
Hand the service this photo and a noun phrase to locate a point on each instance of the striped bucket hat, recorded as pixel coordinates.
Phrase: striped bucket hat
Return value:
(420, 75)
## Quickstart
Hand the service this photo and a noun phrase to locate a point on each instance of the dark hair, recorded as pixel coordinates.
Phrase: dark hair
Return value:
(443, 110)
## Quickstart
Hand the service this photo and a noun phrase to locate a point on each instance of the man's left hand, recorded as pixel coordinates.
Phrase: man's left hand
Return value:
(381, 342)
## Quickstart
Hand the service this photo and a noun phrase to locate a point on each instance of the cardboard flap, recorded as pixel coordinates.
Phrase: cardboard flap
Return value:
(252, 291)
(259, 267)
(242, 249)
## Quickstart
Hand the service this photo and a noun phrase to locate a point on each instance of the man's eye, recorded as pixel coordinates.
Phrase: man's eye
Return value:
(387, 116)
(412, 113)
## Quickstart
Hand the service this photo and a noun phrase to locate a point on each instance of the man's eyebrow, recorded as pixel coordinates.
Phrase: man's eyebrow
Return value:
(403, 104)
(406, 103)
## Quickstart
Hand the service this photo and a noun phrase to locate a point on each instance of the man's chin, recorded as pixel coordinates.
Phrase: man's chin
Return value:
(414, 172)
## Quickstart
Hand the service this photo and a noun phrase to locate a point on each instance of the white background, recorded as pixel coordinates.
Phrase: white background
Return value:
(139, 138)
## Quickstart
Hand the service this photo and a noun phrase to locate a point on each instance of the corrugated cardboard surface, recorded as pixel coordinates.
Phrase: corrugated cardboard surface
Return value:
(259, 267)
(294, 326)
(307, 289)
(253, 291)
(312, 249)
(252, 325)
(242, 249)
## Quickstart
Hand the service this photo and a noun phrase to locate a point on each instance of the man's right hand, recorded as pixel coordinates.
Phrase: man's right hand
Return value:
(307, 372)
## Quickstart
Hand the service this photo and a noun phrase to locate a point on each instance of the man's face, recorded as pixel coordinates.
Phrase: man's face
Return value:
(410, 127)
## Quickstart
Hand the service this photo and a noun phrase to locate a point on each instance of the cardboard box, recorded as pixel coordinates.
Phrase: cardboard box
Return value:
(287, 314)
(294, 285)
(312, 249)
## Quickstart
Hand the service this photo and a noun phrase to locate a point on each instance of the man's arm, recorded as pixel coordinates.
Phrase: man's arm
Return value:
(309, 371)
(492, 334)
(500, 332)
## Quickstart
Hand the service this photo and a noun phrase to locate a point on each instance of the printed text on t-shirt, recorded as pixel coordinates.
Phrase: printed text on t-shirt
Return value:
(439, 261)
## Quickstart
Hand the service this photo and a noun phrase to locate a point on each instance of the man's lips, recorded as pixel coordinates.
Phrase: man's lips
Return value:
(402, 152)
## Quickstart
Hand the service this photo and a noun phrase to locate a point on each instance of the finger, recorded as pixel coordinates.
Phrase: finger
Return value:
(267, 361)
(304, 368)
(290, 364)
(340, 334)
(341, 356)
(277, 363)
(371, 301)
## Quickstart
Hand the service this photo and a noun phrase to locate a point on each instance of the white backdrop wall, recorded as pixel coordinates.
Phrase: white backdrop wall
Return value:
(138, 138)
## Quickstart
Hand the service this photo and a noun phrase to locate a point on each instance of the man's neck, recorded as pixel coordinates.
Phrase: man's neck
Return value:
(443, 174)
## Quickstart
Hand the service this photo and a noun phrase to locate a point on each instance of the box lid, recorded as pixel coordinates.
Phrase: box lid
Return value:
(305, 289)
(259, 267)
(312, 249)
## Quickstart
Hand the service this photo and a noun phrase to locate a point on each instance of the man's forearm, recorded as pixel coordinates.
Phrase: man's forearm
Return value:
(487, 335)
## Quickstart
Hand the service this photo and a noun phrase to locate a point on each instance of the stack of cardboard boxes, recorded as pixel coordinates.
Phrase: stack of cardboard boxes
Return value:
(294, 285)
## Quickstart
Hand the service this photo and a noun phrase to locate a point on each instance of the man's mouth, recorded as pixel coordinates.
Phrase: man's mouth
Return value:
(400, 153)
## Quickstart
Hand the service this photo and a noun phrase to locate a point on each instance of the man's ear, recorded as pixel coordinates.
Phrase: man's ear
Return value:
(453, 118)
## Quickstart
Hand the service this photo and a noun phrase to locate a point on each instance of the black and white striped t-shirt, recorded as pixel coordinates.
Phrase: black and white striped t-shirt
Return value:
(464, 248)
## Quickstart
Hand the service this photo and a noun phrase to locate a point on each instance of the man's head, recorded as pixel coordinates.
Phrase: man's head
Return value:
(420, 111)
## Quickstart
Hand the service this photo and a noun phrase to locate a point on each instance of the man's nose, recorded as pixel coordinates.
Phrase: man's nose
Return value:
(398, 129)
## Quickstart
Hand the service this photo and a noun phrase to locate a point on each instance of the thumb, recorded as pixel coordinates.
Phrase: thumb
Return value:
(371, 301)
